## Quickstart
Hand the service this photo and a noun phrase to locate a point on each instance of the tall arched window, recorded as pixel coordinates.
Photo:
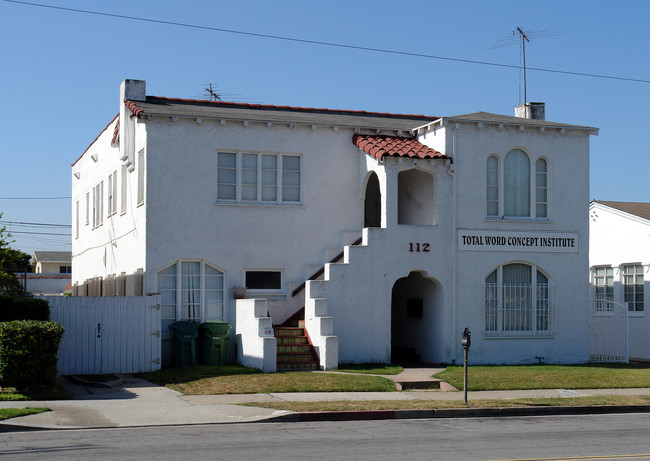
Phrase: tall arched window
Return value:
(190, 290)
(516, 183)
(541, 189)
(492, 186)
(517, 301)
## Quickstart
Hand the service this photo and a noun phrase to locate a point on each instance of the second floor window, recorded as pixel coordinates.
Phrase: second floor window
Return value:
(517, 187)
(259, 177)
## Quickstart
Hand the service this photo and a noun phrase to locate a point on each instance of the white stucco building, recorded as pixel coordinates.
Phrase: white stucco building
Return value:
(477, 221)
(619, 258)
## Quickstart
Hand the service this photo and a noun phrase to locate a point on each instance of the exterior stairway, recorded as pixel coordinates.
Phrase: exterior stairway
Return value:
(295, 352)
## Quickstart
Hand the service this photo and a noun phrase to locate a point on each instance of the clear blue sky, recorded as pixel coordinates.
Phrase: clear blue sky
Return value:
(61, 72)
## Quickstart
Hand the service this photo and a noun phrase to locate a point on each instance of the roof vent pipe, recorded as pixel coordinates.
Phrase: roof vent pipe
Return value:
(532, 110)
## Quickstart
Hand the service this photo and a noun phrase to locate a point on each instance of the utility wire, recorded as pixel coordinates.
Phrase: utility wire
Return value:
(332, 44)
(35, 198)
(35, 224)
(36, 233)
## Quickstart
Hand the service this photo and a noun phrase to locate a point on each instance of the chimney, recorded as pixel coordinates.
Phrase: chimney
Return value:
(134, 90)
(532, 110)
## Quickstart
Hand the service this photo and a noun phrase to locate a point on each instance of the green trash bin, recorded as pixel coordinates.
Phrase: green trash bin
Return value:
(214, 343)
(184, 343)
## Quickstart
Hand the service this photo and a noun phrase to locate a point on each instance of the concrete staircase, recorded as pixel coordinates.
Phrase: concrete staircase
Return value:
(294, 349)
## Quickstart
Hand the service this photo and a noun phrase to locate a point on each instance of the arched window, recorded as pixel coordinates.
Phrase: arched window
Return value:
(190, 290)
(517, 301)
(541, 189)
(516, 183)
(492, 186)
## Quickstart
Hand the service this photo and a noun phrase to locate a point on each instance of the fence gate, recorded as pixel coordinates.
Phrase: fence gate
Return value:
(608, 332)
(107, 334)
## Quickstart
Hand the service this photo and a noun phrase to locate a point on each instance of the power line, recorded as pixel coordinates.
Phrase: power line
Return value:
(332, 44)
(36, 233)
(35, 224)
(35, 198)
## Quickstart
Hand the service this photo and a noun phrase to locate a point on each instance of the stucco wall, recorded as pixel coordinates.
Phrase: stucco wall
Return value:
(618, 239)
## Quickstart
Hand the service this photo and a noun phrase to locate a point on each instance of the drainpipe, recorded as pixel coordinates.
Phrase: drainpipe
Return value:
(454, 299)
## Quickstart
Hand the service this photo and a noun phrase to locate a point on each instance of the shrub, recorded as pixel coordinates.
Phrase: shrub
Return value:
(19, 308)
(28, 351)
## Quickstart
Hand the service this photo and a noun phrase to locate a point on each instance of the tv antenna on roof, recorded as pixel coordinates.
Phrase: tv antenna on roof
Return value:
(525, 37)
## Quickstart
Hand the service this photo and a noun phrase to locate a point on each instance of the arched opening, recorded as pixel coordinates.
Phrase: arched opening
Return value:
(416, 320)
(415, 198)
(372, 204)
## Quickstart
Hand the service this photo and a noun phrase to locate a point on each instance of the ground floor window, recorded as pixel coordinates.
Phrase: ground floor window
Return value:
(190, 290)
(633, 287)
(604, 283)
(517, 301)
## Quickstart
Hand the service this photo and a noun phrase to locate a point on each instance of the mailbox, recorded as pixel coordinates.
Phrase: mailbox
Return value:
(467, 338)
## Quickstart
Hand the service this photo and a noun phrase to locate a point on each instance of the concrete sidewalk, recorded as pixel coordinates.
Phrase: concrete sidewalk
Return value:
(137, 402)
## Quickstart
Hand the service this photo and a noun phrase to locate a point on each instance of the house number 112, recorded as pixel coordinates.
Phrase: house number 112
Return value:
(418, 247)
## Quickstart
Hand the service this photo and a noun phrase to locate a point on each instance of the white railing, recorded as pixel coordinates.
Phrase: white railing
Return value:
(608, 331)
(518, 310)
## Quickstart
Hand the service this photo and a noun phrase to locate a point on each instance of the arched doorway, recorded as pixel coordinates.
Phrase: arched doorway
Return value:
(416, 320)
(372, 204)
(415, 204)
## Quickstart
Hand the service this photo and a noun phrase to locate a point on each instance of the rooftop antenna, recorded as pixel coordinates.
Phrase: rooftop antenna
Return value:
(524, 39)
(520, 36)
(212, 92)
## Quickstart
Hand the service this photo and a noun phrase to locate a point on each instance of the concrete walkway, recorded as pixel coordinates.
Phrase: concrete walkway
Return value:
(137, 402)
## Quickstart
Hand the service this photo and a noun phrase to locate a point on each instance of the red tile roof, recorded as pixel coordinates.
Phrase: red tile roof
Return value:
(90, 145)
(133, 107)
(378, 146)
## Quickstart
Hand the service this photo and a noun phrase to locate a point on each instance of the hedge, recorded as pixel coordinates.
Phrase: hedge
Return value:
(20, 308)
(28, 350)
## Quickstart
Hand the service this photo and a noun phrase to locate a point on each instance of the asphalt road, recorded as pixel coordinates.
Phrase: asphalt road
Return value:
(611, 437)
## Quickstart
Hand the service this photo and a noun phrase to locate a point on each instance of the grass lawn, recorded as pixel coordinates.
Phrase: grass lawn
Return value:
(589, 376)
(240, 380)
(56, 393)
(6, 413)
(441, 404)
(371, 368)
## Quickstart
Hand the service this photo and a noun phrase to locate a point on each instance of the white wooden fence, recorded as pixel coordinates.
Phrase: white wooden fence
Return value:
(608, 332)
(107, 334)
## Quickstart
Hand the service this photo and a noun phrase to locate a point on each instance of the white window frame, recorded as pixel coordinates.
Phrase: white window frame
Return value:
(631, 298)
(603, 277)
(98, 205)
(87, 208)
(140, 167)
(541, 305)
(123, 197)
(112, 193)
(281, 174)
(178, 291)
(76, 219)
(535, 192)
(271, 291)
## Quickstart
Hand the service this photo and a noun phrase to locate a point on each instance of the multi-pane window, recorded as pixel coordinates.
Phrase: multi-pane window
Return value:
(190, 290)
(517, 301)
(541, 189)
(520, 190)
(604, 283)
(112, 193)
(98, 204)
(252, 177)
(493, 186)
(633, 287)
(140, 168)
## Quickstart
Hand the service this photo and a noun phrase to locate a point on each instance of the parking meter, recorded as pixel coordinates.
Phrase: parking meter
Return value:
(465, 341)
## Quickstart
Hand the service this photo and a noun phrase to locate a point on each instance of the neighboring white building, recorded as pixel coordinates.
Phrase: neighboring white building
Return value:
(477, 221)
(52, 262)
(619, 258)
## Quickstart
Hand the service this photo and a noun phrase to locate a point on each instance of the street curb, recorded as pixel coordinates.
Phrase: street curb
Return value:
(376, 415)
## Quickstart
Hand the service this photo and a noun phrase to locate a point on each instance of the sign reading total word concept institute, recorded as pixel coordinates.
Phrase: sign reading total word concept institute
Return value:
(540, 242)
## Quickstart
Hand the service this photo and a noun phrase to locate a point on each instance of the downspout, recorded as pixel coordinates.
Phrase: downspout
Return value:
(454, 284)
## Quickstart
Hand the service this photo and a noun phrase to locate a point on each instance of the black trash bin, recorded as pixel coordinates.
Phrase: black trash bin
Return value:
(214, 343)
(184, 343)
